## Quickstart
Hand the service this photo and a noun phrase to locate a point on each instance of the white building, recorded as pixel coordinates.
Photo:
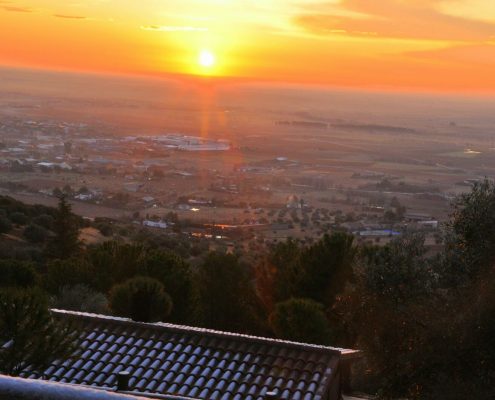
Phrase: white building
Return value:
(155, 224)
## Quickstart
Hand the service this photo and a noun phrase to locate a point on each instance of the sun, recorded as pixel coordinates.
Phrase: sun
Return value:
(206, 58)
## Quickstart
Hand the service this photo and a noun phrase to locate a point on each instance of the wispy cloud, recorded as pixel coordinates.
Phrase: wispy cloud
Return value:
(422, 19)
(169, 28)
(478, 54)
(69, 16)
(16, 8)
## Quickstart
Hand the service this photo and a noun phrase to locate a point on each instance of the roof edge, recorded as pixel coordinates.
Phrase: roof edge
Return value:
(342, 352)
(27, 389)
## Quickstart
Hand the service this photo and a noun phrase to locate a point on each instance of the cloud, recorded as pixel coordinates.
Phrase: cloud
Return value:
(167, 28)
(69, 16)
(482, 10)
(419, 19)
(475, 54)
(16, 8)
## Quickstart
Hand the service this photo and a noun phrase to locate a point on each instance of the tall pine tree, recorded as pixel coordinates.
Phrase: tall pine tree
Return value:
(65, 243)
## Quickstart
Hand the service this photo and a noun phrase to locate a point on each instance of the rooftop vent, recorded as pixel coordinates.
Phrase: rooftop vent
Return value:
(123, 381)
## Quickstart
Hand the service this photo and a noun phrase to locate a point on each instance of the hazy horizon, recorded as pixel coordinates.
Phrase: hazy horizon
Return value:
(148, 95)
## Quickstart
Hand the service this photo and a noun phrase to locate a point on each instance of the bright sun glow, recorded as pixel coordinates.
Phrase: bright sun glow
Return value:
(206, 59)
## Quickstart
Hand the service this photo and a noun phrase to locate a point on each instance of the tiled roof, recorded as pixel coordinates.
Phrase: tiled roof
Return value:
(167, 359)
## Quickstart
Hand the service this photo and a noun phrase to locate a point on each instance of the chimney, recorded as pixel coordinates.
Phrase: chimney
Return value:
(123, 381)
(272, 395)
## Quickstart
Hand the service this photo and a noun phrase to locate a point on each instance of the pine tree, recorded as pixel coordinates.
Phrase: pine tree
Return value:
(29, 336)
(66, 242)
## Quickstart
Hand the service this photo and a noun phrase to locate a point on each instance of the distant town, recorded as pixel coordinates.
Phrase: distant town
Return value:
(147, 178)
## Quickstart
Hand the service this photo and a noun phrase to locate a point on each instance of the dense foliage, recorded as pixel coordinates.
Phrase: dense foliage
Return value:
(226, 298)
(29, 336)
(141, 299)
(301, 320)
(425, 323)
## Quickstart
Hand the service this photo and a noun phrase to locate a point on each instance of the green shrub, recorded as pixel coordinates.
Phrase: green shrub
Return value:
(141, 299)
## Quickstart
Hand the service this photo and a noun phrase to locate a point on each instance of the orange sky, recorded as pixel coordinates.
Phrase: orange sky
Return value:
(417, 44)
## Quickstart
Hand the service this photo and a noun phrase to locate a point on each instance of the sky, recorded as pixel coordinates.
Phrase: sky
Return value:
(438, 45)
